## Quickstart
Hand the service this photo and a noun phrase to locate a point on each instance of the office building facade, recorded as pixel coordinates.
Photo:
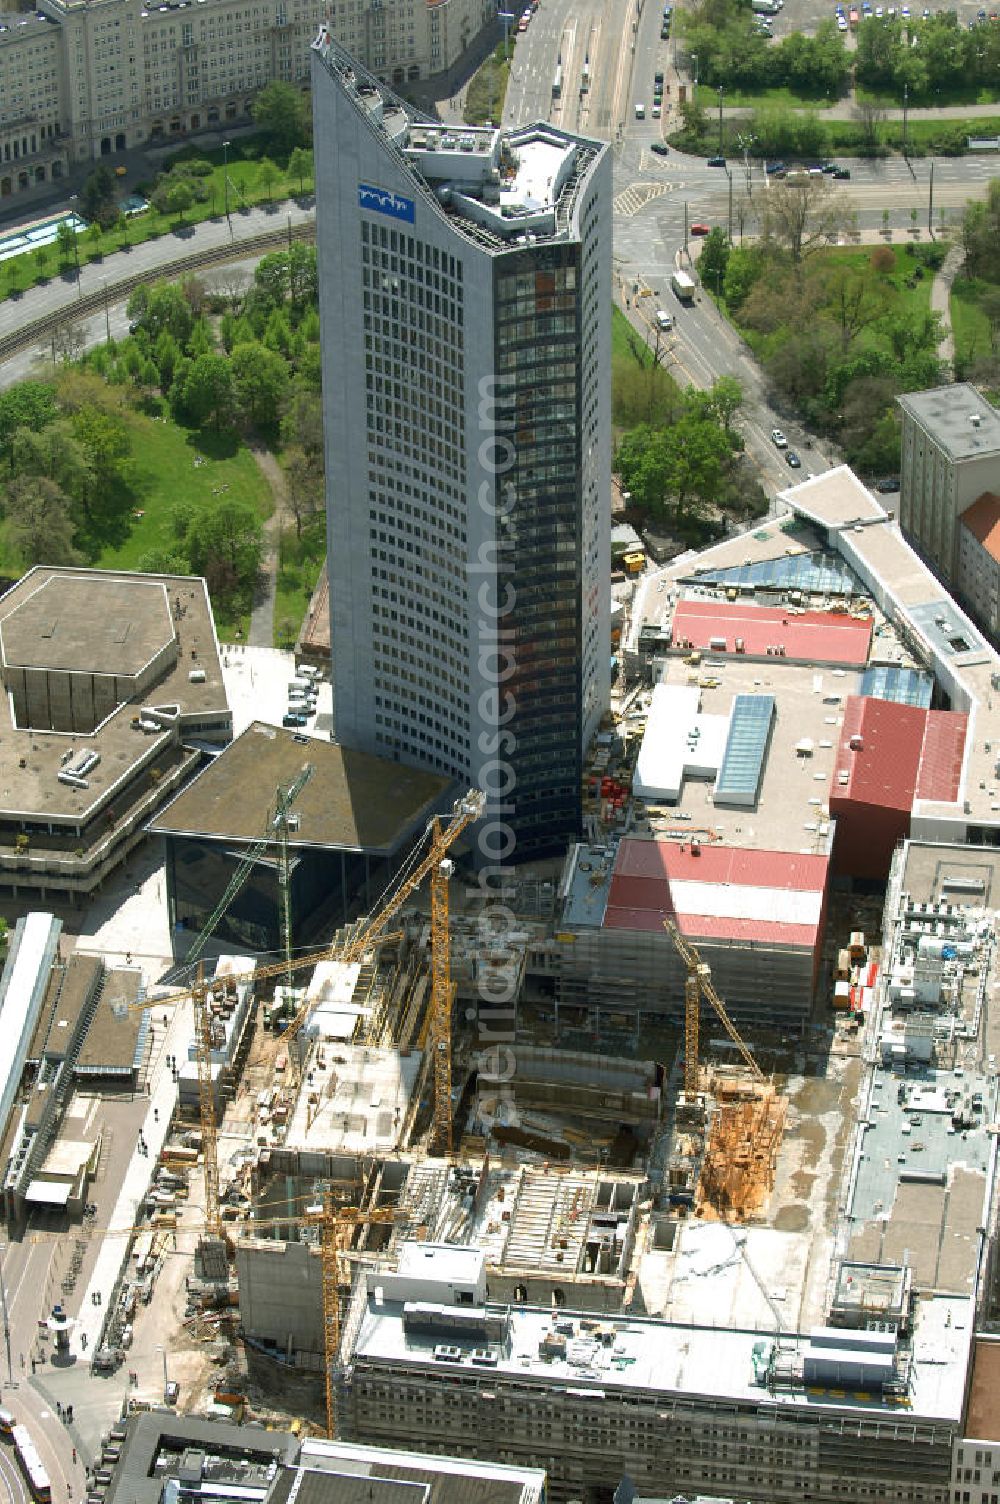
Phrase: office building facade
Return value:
(464, 280)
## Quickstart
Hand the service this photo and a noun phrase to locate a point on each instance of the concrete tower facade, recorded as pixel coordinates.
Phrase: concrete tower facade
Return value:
(465, 309)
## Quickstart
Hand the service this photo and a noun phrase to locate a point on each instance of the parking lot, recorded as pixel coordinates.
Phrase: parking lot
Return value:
(806, 15)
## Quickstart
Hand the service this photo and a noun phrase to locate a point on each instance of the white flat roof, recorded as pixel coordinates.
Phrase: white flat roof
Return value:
(740, 901)
(21, 999)
(678, 742)
(667, 1359)
(48, 1192)
(451, 1263)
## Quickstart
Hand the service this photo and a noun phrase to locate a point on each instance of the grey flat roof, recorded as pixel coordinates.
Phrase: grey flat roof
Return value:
(354, 801)
(32, 791)
(667, 1359)
(89, 623)
(946, 412)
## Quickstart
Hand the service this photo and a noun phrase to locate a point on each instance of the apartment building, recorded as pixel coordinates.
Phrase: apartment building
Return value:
(464, 281)
(950, 457)
(84, 79)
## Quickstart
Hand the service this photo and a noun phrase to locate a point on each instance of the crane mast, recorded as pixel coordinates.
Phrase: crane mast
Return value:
(443, 833)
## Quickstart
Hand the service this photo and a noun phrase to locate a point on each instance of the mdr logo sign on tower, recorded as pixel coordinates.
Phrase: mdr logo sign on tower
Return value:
(383, 201)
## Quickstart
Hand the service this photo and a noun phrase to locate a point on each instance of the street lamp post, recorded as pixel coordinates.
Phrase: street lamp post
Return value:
(721, 91)
(76, 248)
(694, 70)
(6, 1325)
(166, 1377)
(906, 99)
(225, 181)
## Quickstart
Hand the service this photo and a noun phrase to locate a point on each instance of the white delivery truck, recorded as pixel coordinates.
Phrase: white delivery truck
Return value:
(683, 287)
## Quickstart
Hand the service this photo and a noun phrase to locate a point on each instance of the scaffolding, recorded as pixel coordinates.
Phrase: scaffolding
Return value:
(744, 1137)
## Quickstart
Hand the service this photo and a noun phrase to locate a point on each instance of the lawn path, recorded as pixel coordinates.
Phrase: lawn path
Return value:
(261, 634)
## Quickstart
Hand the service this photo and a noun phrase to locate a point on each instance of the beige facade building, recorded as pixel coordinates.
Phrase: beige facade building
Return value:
(85, 79)
(950, 457)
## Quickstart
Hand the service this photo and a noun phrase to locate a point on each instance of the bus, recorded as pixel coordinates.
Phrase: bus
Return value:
(7, 1424)
(557, 83)
(30, 1464)
(585, 80)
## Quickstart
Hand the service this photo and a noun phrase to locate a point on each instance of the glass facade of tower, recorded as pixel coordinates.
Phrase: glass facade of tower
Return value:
(537, 314)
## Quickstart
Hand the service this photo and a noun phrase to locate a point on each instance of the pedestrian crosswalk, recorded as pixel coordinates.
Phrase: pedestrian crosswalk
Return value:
(635, 197)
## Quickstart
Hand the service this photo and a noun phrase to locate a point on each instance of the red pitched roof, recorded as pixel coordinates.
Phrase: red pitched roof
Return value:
(905, 753)
(983, 521)
(811, 637)
(940, 771)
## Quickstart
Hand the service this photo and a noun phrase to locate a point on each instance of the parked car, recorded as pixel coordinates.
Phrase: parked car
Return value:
(778, 439)
(792, 460)
(660, 149)
(657, 111)
(775, 169)
(887, 485)
(842, 173)
(716, 162)
(700, 229)
(293, 720)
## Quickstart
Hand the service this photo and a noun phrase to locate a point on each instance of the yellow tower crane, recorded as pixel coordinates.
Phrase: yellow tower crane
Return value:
(698, 983)
(442, 999)
(336, 1226)
(443, 834)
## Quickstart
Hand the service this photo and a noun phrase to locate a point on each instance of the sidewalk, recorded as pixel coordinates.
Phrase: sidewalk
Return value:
(941, 301)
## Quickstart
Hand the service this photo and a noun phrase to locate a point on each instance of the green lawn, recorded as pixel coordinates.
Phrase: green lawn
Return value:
(762, 99)
(175, 464)
(969, 324)
(254, 179)
(641, 392)
(915, 299)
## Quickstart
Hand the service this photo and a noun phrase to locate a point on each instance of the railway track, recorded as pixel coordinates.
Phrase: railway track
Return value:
(38, 330)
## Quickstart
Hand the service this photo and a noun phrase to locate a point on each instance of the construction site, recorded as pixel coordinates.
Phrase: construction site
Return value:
(703, 1130)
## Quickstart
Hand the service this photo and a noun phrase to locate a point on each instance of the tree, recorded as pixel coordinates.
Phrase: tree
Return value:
(39, 521)
(302, 422)
(853, 298)
(267, 175)
(205, 390)
(179, 198)
(303, 277)
(802, 216)
(260, 381)
(162, 306)
(29, 404)
(870, 116)
(65, 243)
(280, 111)
(713, 259)
(981, 235)
(304, 481)
(725, 398)
(300, 166)
(97, 197)
(225, 544)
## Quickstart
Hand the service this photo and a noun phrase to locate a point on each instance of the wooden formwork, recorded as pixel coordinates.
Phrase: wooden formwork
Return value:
(738, 1170)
